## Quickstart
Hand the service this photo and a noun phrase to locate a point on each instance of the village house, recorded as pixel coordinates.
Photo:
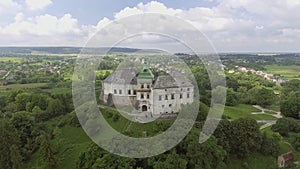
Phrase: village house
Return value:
(147, 93)
(3, 71)
(285, 160)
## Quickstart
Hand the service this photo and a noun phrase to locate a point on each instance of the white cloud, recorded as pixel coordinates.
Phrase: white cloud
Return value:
(37, 4)
(151, 7)
(231, 25)
(43, 30)
(8, 9)
(6, 5)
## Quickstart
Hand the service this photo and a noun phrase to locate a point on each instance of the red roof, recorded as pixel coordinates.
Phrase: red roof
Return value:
(3, 71)
(288, 156)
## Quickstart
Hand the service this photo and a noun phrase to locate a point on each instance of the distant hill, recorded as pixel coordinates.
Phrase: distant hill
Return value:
(71, 50)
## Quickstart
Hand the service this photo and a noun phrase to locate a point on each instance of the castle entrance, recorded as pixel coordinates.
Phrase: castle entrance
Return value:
(144, 108)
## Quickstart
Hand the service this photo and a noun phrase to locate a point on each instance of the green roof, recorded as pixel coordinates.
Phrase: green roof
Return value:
(146, 74)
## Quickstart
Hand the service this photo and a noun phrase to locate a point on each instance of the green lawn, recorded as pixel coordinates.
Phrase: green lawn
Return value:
(270, 112)
(274, 108)
(23, 86)
(244, 111)
(289, 72)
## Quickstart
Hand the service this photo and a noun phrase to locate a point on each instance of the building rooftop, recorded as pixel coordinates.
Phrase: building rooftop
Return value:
(146, 74)
(168, 81)
(122, 76)
(288, 156)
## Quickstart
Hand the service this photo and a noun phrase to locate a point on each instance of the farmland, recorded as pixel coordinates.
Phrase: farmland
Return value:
(289, 72)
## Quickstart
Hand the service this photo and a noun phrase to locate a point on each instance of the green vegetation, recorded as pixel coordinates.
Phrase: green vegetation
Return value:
(10, 59)
(245, 111)
(23, 86)
(288, 72)
(40, 128)
(254, 161)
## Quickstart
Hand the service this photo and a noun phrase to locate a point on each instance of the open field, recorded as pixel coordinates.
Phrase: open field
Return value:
(23, 86)
(12, 59)
(289, 72)
(244, 111)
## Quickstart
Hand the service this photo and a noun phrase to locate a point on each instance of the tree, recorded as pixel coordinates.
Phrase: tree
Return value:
(207, 155)
(88, 158)
(231, 98)
(294, 139)
(246, 137)
(291, 106)
(48, 154)
(111, 161)
(16, 158)
(261, 96)
(55, 108)
(21, 101)
(269, 146)
(10, 141)
(285, 125)
(239, 137)
(203, 111)
(24, 123)
(170, 161)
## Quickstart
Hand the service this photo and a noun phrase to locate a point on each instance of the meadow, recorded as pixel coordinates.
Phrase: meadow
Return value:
(10, 59)
(23, 86)
(288, 72)
(244, 111)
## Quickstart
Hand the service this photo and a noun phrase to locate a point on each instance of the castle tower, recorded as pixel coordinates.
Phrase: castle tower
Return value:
(143, 92)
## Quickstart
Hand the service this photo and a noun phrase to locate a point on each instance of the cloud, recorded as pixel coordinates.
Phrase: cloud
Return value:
(43, 30)
(231, 25)
(8, 9)
(37, 4)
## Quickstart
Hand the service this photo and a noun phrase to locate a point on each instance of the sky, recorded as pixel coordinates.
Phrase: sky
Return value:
(230, 25)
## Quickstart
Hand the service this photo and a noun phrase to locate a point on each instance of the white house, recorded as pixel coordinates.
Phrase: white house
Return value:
(147, 93)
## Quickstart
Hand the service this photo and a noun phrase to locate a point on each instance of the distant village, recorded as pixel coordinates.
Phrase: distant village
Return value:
(15, 73)
(265, 75)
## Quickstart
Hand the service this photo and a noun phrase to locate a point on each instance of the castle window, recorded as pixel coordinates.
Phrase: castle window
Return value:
(134, 92)
(129, 92)
(120, 91)
(180, 96)
(148, 86)
(166, 97)
(188, 95)
(148, 96)
(159, 97)
(188, 89)
(142, 86)
(172, 96)
(142, 96)
(170, 105)
(115, 91)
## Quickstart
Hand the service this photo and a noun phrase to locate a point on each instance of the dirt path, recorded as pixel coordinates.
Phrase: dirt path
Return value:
(263, 111)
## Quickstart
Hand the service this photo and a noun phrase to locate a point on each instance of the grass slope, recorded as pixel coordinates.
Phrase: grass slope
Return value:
(244, 111)
(69, 142)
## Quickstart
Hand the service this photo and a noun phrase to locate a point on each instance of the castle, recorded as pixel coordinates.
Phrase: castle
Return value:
(147, 93)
